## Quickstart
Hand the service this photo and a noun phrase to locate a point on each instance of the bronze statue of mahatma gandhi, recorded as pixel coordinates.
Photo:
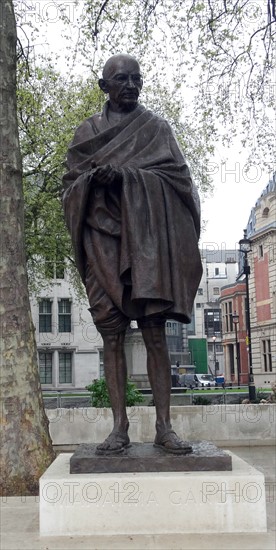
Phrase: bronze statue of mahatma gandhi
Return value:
(133, 214)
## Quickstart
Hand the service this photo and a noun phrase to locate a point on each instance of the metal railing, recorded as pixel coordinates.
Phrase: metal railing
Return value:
(78, 397)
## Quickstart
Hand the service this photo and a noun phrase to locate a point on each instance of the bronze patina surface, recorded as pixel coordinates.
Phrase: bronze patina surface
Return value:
(133, 213)
(143, 457)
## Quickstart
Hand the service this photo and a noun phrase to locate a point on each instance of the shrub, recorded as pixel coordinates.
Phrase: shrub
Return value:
(200, 400)
(100, 397)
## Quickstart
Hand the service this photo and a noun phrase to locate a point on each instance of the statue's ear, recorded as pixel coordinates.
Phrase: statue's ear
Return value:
(103, 85)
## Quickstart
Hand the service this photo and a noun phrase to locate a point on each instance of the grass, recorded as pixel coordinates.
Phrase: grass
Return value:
(187, 391)
(56, 393)
(226, 390)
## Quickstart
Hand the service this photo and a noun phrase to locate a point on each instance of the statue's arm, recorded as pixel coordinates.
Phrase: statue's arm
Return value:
(105, 175)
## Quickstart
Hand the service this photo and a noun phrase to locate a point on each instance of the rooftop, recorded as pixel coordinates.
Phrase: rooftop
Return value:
(216, 254)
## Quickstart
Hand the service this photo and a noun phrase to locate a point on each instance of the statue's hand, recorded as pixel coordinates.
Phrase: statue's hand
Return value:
(106, 175)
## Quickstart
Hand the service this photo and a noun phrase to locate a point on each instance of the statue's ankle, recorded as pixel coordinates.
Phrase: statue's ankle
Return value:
(121, 427)
(163, 426)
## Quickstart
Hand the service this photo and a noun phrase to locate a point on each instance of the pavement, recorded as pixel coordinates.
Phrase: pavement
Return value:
(20, 523)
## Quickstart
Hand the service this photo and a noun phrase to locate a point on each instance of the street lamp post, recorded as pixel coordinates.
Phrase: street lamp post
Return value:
(215, 356)
(245, 247)
(235, 319)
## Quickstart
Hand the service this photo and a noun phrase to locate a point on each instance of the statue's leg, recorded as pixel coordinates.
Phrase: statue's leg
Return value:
(116, 376)
(159, 373)
(112, 324)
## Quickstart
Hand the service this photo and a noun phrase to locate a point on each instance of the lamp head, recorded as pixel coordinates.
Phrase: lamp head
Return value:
(245, 243)
(235, 318)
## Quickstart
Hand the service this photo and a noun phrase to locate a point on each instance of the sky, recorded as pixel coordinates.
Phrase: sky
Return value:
(227, 210)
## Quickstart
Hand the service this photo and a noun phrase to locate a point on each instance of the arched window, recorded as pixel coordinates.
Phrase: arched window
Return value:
(265, 212)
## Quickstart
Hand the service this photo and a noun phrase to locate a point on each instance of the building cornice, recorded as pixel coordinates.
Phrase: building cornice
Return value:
(263, 232)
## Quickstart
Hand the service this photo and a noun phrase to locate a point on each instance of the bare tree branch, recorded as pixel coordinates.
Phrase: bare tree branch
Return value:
(102, 9)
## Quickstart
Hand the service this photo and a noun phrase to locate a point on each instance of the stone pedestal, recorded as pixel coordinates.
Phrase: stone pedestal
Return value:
(151, 502)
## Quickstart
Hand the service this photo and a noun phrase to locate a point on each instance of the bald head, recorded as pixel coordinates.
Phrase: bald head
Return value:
(117, 62)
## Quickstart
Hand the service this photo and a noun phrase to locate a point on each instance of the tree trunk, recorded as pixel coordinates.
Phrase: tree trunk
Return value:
(26, 449)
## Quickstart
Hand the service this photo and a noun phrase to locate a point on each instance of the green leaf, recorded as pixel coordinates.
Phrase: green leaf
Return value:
(100, 396)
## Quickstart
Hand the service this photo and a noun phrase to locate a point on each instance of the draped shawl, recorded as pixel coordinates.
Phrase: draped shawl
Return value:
(144, 236)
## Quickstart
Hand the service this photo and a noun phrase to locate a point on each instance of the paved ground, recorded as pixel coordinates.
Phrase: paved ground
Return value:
(20, 528)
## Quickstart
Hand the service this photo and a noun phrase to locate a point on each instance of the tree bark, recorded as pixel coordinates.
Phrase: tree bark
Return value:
(26, 449)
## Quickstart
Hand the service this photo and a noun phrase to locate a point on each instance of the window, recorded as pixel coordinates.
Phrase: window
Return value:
(65, 368)
(265, 212)
(219, 348)
(261, 251)
(59, 270)
(45, 367)
(200, 291)
(101, 361)
(231, 359)
(45, 316)
(54, 270)
(191, 325)
(216, 270)
(212, 322)
(55, 265)
(266, 355)
(171, 328)
(216, 291)
(225, 307)
(210, 346)
(228, 308)
(64, 315)
(198, 305)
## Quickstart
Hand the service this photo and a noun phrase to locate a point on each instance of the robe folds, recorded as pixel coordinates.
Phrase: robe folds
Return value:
(140, 237)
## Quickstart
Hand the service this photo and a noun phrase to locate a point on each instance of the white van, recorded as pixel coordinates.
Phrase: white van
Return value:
(197, 380)
(205, 380)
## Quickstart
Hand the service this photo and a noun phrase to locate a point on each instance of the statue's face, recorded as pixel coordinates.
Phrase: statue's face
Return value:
(123, 82)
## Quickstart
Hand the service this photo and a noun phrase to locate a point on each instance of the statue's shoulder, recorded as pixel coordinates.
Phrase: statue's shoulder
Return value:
(158, 119)
(86, 130)
(92, 121)
(95, 120)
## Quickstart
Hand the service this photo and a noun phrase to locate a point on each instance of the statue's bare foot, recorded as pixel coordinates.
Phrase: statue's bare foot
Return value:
(115, 443)
(170, 443)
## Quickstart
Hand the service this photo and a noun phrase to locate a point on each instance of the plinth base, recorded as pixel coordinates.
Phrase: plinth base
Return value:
(144, 457)
(151, 503)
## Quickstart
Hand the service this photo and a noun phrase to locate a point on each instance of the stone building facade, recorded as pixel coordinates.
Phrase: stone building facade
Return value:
(70, 349)
(69, 346)
(220, 268)
(234, 335)
(261, 230)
